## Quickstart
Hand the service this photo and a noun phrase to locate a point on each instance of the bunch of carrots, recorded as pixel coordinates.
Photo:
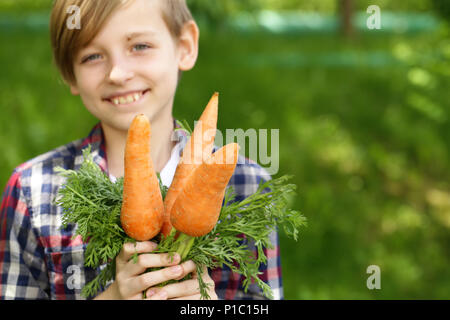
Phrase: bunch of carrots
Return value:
(193, 202)
(183, 218)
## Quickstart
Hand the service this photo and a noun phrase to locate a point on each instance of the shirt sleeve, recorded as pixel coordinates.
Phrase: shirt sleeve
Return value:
(22, 268)
(229, 285)
(270, 274)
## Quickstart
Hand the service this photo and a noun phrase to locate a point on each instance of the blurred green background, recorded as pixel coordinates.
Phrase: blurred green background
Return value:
(363, 118)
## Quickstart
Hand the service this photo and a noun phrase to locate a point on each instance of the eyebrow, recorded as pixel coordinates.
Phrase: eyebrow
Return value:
(130, 36)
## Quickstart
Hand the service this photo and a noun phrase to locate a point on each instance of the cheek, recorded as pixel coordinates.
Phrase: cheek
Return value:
(87, 89)
(160, 69)
(88, 82)
(89, 77)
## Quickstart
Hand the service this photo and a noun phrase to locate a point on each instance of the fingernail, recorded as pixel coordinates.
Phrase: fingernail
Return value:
(176, 257)
(162, 294)
(176, 269)
(153, 245)
(151, 292)
(172, 259)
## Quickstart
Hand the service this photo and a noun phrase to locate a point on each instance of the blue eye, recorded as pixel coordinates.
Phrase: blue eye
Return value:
(90, 58)
(140, 47)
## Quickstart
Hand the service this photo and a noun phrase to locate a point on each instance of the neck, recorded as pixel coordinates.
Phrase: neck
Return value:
(161, 145)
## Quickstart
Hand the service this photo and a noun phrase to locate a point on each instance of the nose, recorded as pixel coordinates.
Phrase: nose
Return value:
(119, 73)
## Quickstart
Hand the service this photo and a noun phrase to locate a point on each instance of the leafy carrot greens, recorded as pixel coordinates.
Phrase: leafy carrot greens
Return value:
(91, 203)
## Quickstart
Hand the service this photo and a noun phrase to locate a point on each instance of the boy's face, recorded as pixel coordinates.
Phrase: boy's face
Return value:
(132, 65)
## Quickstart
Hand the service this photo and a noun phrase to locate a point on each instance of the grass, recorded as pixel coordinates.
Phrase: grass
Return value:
(363, 128)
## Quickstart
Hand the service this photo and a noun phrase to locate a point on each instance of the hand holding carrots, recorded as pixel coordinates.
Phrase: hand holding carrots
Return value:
(185, 290)
(132, 279)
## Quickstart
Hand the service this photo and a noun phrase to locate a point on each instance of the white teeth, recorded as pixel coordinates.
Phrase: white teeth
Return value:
(127, 99)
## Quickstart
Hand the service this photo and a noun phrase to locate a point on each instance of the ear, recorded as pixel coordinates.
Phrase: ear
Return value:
(74, 89)
(188, 46)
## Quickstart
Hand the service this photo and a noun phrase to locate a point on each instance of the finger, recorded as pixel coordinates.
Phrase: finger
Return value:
(192, 297)
(145, 261)
(129, 249)
(207, 278)
(153, 278)
(188, 267)
(156, 295)
(182, 289)
(151, 291)
(198, 296)
(205, 270)
(209, 282)
(205, 274)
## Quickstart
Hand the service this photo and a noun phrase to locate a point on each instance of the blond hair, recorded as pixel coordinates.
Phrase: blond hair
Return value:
(67, 42)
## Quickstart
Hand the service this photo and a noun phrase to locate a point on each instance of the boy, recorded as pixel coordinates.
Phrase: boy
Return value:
(125, 59)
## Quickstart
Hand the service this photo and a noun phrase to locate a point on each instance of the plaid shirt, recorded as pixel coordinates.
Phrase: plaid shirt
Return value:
(40, 260)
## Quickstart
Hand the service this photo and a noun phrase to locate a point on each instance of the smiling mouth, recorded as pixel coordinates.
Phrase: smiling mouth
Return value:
(128, 98)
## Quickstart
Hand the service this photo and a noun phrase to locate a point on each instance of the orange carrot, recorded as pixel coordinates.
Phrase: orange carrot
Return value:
(197, 207)
(199, 146)
(142, 208)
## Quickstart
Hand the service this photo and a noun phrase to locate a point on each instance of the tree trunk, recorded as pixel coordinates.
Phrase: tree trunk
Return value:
(346, 11)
